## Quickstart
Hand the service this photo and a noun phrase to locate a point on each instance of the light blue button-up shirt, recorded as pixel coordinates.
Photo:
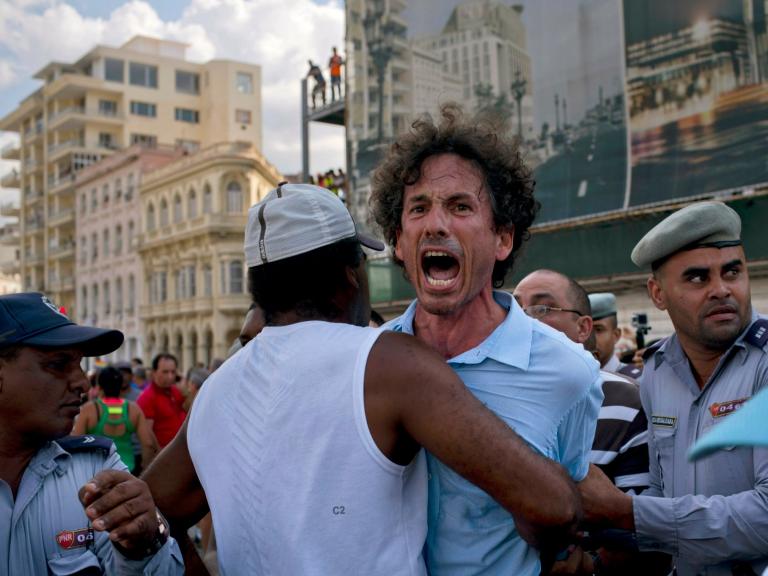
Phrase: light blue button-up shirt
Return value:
(35, 527)
(548, 389)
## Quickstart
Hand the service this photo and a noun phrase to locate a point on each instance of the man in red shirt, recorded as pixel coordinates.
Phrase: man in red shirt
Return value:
(162, 401)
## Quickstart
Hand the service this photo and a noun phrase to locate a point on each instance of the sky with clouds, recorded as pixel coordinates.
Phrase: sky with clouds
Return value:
(279, 35)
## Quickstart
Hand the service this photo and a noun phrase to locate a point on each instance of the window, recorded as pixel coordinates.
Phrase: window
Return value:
(187, 82)
(118, 240)
(189, 146)
(118, 189)
(191, 281)
(83, 250)
(163, 286)
(207, 280)
(83, 203)
(94, 248)
(142, 75)
(130, 235)
(94, 200)
(207, 199)
(84, 301)
(177, 216)
(105, 236)
(143, 109)
(236, 277)
(107, 300)
(129, 188)
(119, 296)
(192, 204)
(163, 213)
(114, 70)
(145, 140)
(234, 198)
(105, 194)
(95, 302)
(181, 288)
(107, 107)
(244, 83)
(106, 140)
(131, 293)
(151, 217)
(243, 116)
(187, 115)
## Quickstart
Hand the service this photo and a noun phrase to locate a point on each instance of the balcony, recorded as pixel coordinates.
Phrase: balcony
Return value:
(30, 165)
(63, 284)
(60, 184)
(10, 236)
(74, 116)
(11, 180)
(64, 250)
(32, 195)
(61, 217)
(33, 258)
(10, 267)
(55, 150)
(11, 151)
(9, 209)
(34, 225)
(31, 134)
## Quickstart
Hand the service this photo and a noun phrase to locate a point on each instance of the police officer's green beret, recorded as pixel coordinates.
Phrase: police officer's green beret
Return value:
(699, 225)
(603, 305)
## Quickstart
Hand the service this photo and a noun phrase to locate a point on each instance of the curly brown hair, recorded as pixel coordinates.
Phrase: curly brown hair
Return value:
(483, 139)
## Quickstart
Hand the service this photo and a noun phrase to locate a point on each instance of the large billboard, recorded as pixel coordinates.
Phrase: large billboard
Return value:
(617, 104)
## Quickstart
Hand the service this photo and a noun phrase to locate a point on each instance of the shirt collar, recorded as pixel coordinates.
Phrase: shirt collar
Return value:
(613, 365)
(672, 352)
(509, 343)
(50, 457)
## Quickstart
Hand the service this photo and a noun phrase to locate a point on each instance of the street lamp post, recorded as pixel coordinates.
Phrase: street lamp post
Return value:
(518, 91)
(378, 36)
(557, 112)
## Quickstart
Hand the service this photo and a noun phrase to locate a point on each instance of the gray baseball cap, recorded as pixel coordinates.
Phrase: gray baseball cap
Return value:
(297, 218)
(700, 225)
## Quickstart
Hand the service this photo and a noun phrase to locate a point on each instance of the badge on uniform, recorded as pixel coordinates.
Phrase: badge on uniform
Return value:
(720, 409)
(664, 421)
(69, 539)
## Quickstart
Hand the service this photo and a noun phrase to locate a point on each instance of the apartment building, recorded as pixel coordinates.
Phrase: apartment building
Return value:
(144, 92)
(194, 212)
(9, 251)
(108, 271)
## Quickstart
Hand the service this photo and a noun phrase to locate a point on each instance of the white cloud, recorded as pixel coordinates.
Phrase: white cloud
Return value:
(279, 35)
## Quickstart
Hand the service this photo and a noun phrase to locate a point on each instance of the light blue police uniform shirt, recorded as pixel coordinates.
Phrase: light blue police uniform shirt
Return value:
(34, 528)
(545, 387)
(711, 514)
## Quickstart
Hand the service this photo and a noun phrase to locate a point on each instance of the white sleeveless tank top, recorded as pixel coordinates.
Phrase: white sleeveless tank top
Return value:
(296, 484)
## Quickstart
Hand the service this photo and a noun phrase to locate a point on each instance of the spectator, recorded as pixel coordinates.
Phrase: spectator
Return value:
(161, 401)
(117, 419)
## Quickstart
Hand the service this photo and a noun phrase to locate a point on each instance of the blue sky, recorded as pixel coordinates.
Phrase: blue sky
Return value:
(35, 32)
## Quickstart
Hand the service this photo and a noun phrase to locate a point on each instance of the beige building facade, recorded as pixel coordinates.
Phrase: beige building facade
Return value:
(108, 271)
(144, 92)
(194, 212)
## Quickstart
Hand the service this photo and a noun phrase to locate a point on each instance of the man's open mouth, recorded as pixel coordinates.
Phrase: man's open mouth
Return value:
(440, 268)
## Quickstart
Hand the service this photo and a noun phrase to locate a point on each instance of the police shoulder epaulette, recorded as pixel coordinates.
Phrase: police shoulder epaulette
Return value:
(653, 348)
(85, 443)
(757, 335)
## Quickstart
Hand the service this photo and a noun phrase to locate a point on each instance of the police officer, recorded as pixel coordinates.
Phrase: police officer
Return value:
(607, 333)
(67, 504)
(712, 515)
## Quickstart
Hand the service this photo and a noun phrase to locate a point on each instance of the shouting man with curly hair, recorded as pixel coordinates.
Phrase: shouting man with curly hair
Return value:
(455, 201)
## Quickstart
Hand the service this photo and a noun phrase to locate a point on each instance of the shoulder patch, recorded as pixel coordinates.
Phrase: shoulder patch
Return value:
(757, 335)
(85, 443)
(653, 348)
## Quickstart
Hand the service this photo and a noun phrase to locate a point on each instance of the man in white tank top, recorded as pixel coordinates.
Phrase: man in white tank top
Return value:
(306, 444)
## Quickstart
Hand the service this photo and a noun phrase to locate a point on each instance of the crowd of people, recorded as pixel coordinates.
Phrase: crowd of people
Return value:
(479, 432)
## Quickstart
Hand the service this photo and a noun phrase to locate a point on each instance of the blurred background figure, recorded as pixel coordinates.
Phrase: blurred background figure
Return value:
(117, 418)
